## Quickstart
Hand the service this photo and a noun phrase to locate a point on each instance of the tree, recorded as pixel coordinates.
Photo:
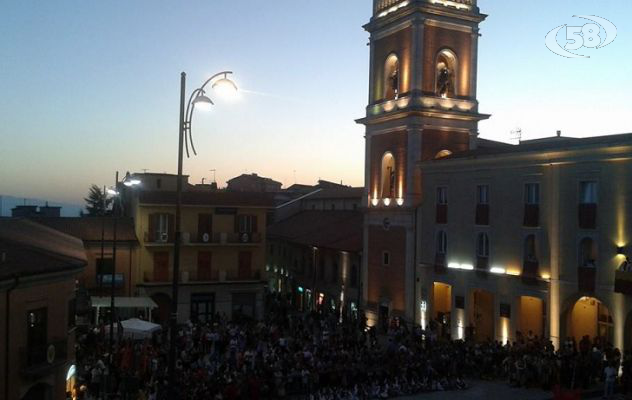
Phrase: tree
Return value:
(97, 202)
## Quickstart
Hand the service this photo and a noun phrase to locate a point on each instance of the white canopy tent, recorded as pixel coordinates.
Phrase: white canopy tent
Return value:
(135, 328)
(142, 303)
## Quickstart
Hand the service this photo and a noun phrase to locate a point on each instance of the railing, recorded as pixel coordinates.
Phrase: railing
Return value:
(38, 360)
(383, 5)
(623, 282)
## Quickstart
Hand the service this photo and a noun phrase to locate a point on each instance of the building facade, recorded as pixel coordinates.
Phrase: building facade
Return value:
(38, 269)
(222, 254)
(476, 238)
(314, 258)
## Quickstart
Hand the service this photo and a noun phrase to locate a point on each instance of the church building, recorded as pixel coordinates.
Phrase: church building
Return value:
(473, 237)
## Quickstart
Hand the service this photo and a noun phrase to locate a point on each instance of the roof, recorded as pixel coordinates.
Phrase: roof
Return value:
(32, 249)
(340, 230)
(557, 143)
(89, 228)
(254, 177)
(204, 198)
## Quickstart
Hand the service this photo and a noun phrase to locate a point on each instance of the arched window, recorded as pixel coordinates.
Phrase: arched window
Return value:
(441, 242)
(388, 176)
(482, 245)
(587, 252)
(530, 252)
(391, 77)
(446, 74)
(442, 153)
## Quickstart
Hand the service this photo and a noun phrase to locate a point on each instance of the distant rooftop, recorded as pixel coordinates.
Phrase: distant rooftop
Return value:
(209, 198)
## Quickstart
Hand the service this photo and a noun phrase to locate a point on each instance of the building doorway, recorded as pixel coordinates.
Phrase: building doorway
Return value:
(481, 315)
(532, 317)
(442, 308)
(590, 317)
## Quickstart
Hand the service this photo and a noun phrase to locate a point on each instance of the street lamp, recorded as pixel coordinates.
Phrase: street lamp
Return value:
(224, 87)
(116, 198)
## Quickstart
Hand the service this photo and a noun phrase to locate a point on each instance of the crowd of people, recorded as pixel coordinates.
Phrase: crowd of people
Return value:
(318, 357)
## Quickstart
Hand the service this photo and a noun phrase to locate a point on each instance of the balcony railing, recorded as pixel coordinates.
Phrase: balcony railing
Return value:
(39, 360)
(623, 282)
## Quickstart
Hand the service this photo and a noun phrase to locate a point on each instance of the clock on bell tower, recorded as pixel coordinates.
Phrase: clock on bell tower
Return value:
(422, 105)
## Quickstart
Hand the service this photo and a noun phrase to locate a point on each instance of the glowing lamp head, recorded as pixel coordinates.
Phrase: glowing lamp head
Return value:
(387, 202)
(202, 102)
(375, 202)
(225, 88)
(400, 201)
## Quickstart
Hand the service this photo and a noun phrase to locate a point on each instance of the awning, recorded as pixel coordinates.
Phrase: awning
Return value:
(123, 302)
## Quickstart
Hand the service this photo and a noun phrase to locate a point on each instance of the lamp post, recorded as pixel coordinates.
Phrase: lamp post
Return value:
(198, 98)
(116, 198)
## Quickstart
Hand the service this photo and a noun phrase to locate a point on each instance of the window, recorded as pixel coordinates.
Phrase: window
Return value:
(161, 227)
(205, 228)
(246, 223)
(442, 242)
(204, 267)
(446, 74)
(530, 254)
(391, 78)
(245, 265)
(532, 193)
(104, 267)
(482, 194)
(442, 195)
(441, 216)
(161, 266)
(587, 253)
(158, 183)
(388, 176)
(36, 335)
(202, 307)
(386, 258)
(588, 192)
(482, 245)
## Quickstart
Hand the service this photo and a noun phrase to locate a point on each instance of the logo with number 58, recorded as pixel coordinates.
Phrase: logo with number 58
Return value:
(592, 35)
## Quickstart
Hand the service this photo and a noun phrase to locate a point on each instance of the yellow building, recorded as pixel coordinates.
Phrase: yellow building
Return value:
(223, 248)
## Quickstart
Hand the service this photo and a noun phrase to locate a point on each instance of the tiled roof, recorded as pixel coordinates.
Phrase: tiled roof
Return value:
(30, 248)
(89, 228)
(340, 230)
(217, 198)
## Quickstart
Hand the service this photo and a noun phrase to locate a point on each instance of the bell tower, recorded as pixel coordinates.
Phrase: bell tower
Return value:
(422, 105)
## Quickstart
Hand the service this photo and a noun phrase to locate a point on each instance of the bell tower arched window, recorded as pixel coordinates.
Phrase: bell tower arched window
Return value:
(391, 77)
(446, 74)
(387, 178)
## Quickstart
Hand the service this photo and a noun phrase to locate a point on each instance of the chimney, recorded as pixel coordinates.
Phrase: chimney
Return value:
(559, 133)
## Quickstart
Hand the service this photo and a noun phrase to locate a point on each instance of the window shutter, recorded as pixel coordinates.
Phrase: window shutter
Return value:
(152, 228)
(205, 225)
(170, 227)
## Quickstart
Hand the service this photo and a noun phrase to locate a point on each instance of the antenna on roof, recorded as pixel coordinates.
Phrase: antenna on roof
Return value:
(516, 134)
(144, 170)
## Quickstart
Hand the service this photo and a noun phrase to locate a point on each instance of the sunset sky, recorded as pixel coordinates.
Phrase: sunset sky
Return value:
(89, 88)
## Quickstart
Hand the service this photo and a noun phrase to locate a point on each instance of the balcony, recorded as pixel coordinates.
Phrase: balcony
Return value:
(225, 238)
(41, 360)
(623, 282)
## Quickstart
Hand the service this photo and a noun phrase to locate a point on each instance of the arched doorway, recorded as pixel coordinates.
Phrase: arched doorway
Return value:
(442, 308)
(40, 391)
(589, 317)
(161, 314)
(531, 316)
(481, 315)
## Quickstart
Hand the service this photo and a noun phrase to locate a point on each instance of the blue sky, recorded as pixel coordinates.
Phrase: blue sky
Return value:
(89, 88)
